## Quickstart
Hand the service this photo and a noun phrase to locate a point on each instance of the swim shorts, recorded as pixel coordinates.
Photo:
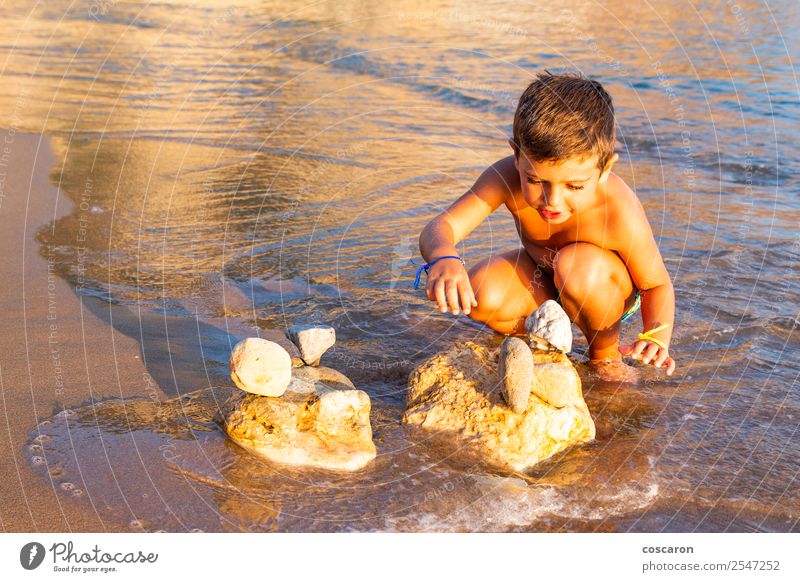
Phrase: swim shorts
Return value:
(637, 303)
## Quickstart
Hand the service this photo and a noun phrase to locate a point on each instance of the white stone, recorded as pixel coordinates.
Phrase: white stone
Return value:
(549, 328)
(312, 340)
(260, 367)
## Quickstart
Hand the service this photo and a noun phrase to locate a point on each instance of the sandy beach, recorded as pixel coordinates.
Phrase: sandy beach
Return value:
(60, 350)
(54, 351)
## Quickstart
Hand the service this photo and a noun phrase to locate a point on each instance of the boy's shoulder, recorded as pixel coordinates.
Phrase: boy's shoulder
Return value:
(498, 183)
(626, 215)
(505, 171)
(621, 200)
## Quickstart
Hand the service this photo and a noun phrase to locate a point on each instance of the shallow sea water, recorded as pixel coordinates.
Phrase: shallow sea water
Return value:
(252, 165)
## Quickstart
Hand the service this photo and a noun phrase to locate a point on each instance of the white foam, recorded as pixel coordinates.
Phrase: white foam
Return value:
(504, 503)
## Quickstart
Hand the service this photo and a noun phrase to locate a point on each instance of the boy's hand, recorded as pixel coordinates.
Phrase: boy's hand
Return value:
(448, 283)
(649, 352)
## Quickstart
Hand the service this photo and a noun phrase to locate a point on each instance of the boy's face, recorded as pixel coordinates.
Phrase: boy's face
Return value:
(562, 188)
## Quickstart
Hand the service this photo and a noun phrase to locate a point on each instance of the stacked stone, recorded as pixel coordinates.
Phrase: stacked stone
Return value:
(296, 411)
(548, 329)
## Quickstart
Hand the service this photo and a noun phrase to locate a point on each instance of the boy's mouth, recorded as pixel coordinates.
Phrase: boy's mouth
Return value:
(549, 215)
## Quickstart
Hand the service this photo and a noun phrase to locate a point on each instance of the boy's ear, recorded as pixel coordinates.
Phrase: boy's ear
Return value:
(513, 147)
(609, 164)
(516, 153)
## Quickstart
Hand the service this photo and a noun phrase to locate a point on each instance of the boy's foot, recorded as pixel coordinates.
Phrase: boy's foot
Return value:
(611, 370)
(516, 372)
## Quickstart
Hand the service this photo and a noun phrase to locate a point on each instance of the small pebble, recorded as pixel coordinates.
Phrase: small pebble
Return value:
(312, 340)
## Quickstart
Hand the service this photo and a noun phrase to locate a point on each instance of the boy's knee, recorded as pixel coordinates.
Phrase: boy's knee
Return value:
(580, 268)
(487, 293)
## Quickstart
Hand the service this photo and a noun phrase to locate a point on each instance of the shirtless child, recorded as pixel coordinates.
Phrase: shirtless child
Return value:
(586, 241)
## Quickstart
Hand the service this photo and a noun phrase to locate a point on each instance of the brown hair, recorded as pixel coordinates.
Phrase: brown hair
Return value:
(559, 116)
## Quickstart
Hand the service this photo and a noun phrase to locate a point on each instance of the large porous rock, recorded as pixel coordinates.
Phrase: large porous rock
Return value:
(455, 397)
(320, 421)
(312, 340)
(260, 366)
(549, 328)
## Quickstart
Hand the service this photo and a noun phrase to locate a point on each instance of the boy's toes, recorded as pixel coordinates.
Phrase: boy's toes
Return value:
(516, 372)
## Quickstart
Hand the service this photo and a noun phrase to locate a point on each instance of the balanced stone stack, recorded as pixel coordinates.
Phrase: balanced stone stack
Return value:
(294, 413)
(510, 407)
(548, 329)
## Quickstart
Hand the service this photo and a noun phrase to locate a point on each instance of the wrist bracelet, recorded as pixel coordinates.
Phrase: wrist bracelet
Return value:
(426, 267)
(648, 338)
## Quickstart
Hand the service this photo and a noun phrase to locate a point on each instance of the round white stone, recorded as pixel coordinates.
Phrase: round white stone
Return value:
(261, 367)
(549, 327)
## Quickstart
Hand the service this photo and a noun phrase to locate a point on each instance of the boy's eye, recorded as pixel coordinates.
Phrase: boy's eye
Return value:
(570, 186)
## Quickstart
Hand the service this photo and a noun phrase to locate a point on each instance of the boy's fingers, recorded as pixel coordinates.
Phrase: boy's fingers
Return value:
(473, 302)
(466, 304)
(662, 357)
(440, 298)
(649, 353)
(452, 295)
(670, 366)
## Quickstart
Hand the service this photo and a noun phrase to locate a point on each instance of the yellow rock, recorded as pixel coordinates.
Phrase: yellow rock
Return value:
(457, 394)
(318, 422)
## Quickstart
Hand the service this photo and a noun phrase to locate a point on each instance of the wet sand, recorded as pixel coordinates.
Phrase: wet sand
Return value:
(55, 353)
(60, 349)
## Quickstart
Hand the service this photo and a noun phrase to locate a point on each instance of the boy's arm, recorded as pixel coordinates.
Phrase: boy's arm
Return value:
(443, 233)
(448, 281)
(637, 248)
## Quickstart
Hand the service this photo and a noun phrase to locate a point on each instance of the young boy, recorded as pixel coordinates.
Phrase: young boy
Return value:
(586, 241)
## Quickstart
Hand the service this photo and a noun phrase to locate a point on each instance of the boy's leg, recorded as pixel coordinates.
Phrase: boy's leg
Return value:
(595, 289)
(508, 287)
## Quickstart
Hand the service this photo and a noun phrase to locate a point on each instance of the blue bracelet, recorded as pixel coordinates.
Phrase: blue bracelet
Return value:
(426, 267)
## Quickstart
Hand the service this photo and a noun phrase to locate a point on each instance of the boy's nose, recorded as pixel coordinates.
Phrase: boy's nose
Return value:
(554, 197)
